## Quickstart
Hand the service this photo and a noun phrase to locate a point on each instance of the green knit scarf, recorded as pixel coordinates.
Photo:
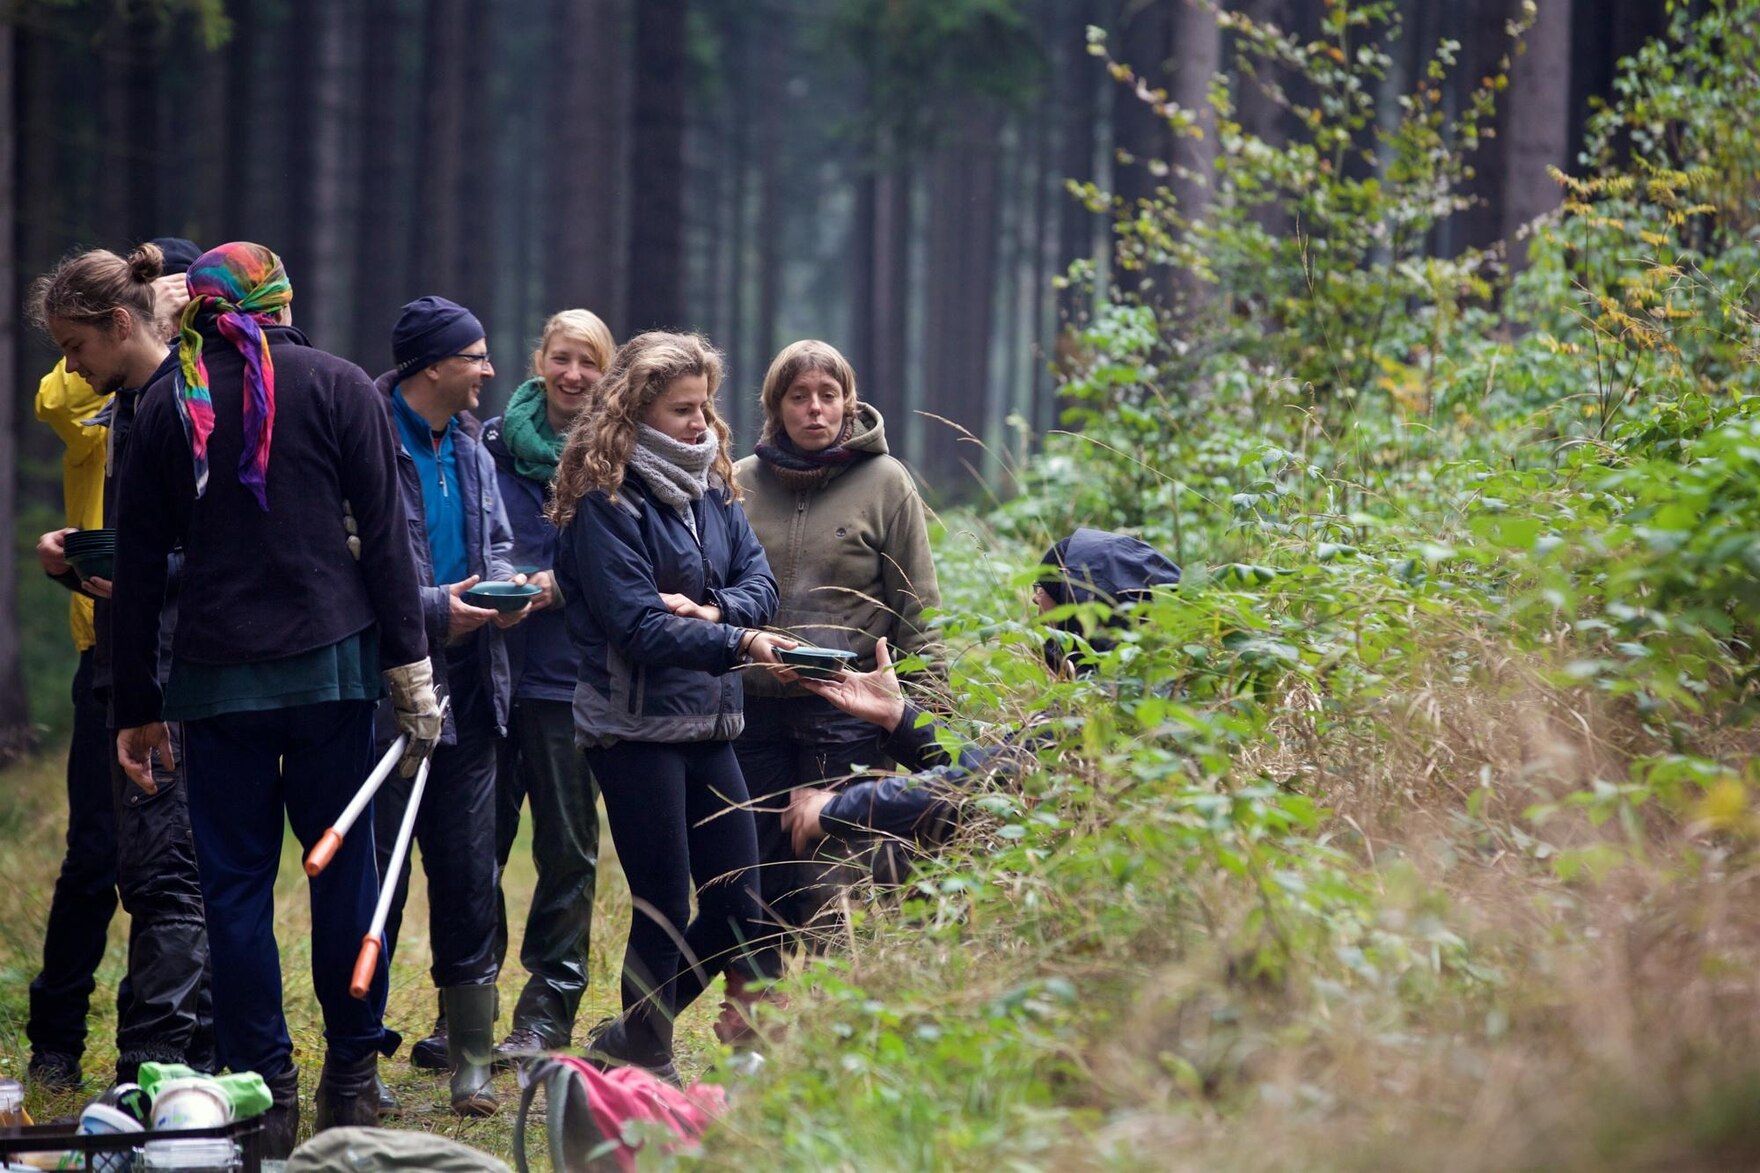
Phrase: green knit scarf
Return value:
(525, 428)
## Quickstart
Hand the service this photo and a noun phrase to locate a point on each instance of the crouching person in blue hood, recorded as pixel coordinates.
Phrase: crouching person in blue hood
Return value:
(1089, 566)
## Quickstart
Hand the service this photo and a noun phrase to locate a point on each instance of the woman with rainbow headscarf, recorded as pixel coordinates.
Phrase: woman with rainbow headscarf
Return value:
(273, 465)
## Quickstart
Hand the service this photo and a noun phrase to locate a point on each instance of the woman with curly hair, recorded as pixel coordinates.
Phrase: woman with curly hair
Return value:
(666, 589)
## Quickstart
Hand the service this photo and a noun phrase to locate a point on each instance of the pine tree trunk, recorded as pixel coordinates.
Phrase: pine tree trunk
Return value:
(961, 284)
(772, 108)
(1078, 78)
(1197, 58)
(1539, 122)
(440, 217)
(384, 150)
(656, 246)
(15, 716)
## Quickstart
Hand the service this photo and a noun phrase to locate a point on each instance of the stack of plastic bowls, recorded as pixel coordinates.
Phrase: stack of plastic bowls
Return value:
(91, 552)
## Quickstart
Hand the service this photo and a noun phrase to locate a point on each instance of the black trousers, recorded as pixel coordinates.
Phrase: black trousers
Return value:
(790, 742)
(679, 818)
(123, 841)
(455, 828)
(85, 890)
(167, 1013)
(539, 762)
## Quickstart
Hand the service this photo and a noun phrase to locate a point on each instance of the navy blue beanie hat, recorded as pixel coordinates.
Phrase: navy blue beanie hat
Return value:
(179, 253)
(430, 329)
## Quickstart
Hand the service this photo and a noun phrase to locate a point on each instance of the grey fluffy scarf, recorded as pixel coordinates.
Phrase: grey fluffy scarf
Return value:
(676, 473)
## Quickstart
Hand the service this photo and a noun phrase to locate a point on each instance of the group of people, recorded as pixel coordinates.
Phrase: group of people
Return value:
(295, 545)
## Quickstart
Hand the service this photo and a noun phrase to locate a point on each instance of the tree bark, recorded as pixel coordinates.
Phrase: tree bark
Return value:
(772, 102)
(961, 282)
(656, 246)
(1077, 78)
(1197, 58)
(331, 182)
(385, 166)
(1145, 30)
(1479, 26)
(439, 222)
(1539, 122)
(15, 716)
(887, 380)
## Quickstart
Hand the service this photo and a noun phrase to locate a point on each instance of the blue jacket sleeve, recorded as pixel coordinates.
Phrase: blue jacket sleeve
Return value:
(618, 588)
(749, 597)
(922, 806)
(436, 615)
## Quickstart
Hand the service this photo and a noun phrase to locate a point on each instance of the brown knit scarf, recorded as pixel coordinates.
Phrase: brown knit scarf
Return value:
(802, 472)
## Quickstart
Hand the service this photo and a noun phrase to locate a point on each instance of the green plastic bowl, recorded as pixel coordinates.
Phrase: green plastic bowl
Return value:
(505, 597)
(817, 663)
(93, 565)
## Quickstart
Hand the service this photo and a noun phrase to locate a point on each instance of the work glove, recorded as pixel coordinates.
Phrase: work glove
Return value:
(417, 710)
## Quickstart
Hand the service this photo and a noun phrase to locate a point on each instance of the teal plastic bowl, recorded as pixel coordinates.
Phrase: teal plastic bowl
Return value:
(817, 663)
(505, 597)
(93, 565)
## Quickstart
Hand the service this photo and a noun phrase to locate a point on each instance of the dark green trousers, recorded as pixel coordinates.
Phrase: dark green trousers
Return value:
(540, 764)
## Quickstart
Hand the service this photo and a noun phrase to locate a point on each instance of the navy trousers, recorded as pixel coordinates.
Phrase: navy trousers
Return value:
(247, 772)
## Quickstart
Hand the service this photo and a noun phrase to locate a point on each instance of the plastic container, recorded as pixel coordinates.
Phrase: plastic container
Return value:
(197, 1102)
(101, 1119)
(190, 1156)
(11, 1105)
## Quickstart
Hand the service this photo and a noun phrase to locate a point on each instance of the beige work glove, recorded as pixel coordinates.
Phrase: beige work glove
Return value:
(417, 710)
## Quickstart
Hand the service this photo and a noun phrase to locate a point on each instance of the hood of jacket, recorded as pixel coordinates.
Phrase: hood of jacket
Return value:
(1096, 565)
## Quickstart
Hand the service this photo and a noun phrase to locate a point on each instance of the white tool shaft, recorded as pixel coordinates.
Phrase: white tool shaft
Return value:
(345, 821)
(394, 868)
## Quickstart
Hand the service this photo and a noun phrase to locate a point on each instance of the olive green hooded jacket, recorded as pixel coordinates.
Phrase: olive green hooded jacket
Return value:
(851, 556)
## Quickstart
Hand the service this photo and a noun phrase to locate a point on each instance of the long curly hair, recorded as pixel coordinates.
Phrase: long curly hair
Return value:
(599, 447)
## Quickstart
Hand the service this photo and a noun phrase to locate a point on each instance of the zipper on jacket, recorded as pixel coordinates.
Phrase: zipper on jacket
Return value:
(439, 465)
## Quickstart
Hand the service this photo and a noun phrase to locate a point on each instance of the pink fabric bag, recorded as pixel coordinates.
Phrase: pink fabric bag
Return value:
(588, 1108)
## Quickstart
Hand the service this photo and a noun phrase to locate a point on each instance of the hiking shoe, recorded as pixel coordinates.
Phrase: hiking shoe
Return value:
(521, 1043)
(430, 1053)
(56, 1072)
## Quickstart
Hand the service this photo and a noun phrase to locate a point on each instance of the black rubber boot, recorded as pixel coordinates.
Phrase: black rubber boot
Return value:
(281, 1121)
(388, 1103)
(429, 1054)
(348, 1094)
(470, 1037)
(627, 1042)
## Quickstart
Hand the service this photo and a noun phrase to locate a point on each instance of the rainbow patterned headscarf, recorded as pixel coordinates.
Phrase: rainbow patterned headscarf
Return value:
(243, 286)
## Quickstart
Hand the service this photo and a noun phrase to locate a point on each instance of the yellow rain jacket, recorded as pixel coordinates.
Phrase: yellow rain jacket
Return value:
(63, 401)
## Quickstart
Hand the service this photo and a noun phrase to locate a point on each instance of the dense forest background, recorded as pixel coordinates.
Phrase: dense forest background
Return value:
(892, 175)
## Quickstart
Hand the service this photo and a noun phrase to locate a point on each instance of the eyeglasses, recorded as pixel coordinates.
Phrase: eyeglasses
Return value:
(482, 360)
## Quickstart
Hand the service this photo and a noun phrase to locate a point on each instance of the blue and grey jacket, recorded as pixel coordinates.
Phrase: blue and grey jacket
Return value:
(488, 547)
(646, 674)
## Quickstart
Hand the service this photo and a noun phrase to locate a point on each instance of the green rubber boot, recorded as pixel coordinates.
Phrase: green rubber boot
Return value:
(470, 1045)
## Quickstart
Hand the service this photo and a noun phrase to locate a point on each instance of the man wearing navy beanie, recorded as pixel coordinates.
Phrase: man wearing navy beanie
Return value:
(449, 483)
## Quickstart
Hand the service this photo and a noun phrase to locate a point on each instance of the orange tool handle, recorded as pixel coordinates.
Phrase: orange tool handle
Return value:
(323, 851)
(364, 965)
